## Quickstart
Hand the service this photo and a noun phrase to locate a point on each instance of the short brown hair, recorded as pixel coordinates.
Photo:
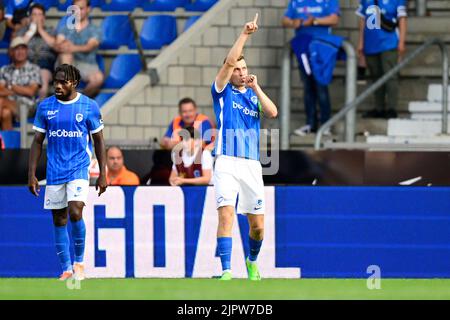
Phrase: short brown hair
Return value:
(186, 100)
(241, 57)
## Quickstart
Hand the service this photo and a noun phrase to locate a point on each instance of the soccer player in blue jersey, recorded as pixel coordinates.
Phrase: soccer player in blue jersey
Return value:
(68, 119)
(239, 103)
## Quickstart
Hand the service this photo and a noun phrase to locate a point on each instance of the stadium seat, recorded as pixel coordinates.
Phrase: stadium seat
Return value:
(158, 31)
(4, 59)
(190, 22)
(47, 3)
(162, 5)
(199, 5)
(119, 5)
(64, 4)
(4, 43)
(123, 68)
(103, 97)
(11, 139)
(116, 32)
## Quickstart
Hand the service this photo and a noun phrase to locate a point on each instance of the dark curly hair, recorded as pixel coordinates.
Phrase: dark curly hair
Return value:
(70, 73)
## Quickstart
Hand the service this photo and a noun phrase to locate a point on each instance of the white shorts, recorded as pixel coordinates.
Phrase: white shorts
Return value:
(58, 196)
(237, 176)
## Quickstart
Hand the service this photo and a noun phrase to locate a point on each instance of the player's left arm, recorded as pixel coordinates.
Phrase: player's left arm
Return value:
(95, 126)
(100, 153)
(269, 108)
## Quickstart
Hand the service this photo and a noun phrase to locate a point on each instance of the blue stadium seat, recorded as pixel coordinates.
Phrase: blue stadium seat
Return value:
(199, 5)
(64, 4)
(11, 139)
(158, 31)
(116, 32)
(4, 43)
(103, 97)
(47, 3)
(162, 5)
(4, 59)
(190, 22)
(123, 68)
(119, 5)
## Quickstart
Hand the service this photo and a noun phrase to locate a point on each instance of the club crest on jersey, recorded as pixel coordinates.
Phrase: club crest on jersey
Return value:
(254, 99)
(79, 117)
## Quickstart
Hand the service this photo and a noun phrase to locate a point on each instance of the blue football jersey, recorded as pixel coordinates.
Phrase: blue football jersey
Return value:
(238, 122)
(68, 125)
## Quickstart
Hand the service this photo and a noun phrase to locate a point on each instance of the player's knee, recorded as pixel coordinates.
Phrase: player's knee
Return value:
(257, 232)
(59, 220)
(76, 211)
(6, 113)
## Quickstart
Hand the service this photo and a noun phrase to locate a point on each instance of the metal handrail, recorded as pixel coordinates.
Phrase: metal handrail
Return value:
(363, 96)
(350, 92)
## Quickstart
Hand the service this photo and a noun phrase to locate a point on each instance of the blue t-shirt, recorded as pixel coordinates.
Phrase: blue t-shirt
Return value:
(82, 38)
(302, 9)
(204, 128)
(238, 122)
(377, 40)
(68, 125)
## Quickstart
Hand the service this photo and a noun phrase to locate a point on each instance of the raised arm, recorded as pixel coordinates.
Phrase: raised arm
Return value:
(226, 71)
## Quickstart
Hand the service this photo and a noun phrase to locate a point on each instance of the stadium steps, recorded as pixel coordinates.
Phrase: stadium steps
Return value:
(420, 131)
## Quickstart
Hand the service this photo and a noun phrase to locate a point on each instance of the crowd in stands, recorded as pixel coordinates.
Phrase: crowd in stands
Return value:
(35, 49)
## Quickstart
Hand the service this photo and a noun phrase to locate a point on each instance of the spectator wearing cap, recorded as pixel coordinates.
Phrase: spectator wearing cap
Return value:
(192, 164)
(189, 117)
(19, 83)
(116, 172)
(40, 40)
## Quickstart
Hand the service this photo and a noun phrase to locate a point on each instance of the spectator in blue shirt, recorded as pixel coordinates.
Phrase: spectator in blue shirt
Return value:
(77, 44)
(312, 17)
(382, 35)
(17, 13)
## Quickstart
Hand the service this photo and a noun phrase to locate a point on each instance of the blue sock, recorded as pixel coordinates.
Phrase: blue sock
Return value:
(224, 246)
(255, 246)
(79, 236)
(62, 243)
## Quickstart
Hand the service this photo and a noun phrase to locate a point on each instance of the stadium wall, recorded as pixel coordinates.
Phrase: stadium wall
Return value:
(168, 232)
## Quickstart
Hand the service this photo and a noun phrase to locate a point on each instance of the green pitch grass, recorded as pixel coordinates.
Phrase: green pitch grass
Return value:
(211, 289)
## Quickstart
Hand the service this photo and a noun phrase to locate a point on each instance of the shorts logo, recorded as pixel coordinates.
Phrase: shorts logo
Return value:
(220, 199)
(258, 204)
(47, 202)
(79, 117)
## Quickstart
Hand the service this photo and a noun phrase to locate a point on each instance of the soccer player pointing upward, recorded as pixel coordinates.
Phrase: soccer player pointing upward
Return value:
(239, 103)
(67, 119)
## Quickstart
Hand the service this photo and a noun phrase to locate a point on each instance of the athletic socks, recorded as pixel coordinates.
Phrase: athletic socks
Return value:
(255, 246)
(62, 243)
(79, 236)
(224, 245)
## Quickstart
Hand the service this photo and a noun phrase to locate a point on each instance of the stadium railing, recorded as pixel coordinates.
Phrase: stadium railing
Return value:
(285, 103)
(350, 107)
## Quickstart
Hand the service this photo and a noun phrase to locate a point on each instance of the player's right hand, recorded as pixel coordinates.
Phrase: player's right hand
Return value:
(33, 185)
(251, 27)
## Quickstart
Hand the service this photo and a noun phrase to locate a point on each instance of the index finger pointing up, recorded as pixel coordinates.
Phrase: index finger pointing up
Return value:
(256, 18)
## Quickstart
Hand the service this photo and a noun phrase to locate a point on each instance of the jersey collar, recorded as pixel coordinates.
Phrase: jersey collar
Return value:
(71, 101)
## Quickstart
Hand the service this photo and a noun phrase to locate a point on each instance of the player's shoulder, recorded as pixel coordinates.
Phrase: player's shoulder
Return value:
(87, 101)
(216, 90)
(45, 103)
